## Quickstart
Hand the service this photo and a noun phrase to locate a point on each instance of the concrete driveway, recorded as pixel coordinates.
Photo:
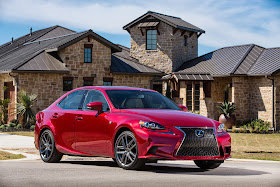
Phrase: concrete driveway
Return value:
(166, 173)
(85, 171)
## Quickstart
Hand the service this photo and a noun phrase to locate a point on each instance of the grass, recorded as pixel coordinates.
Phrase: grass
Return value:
(21, 133)
(255, 146)
(7, 156)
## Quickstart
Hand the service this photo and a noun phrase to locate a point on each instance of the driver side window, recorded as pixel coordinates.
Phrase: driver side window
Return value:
(94, 96)
(72, 101)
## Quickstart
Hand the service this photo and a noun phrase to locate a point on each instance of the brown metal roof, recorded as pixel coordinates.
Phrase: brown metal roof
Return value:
(122, 63)
(236, 60)
(175, 22)
(44, 62)
(148, 24)
(189, 76)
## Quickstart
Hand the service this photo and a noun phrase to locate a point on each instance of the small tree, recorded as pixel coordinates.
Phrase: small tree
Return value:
(24, 108)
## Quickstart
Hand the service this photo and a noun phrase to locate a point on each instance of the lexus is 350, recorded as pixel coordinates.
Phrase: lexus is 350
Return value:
(131, 125)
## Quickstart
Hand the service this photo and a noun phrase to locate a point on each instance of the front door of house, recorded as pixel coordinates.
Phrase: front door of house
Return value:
(10, 94)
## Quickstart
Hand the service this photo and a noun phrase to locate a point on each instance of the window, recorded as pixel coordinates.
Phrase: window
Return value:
(96, 96)
(72, 101)
(151, 40)
(193, 97)
(88, 53)
(67, 83)
(88, 81)
(196, 97)
(189, 96)
(107, 81)
(207, 88)
(185, 40)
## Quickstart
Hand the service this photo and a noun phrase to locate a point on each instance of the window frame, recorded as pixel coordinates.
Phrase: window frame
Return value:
(88, 46)
(151, 39)
(65, 98)
(67, 79)
(85, 96)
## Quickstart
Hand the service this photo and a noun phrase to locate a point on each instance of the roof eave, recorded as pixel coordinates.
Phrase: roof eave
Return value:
(42, 71)
(136, 73)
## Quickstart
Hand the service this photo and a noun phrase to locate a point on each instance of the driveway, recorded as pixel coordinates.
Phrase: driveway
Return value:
(96, 171)
(166, 173)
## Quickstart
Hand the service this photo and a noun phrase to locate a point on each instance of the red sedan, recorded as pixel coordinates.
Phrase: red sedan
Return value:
(131, 125)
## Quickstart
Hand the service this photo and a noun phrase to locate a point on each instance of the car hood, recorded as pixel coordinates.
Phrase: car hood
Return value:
(173, 117)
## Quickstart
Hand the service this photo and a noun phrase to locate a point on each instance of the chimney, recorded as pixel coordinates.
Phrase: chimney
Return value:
(31, 31)
(12, 39)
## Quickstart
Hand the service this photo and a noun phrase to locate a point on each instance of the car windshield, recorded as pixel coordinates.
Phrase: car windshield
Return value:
(131, 99)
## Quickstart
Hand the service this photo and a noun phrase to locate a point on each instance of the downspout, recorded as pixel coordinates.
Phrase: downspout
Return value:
(273, 102)
(15, 84)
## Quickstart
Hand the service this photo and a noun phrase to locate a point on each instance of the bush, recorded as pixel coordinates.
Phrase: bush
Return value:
(32, 127)
(19, 126)
(255, 126)
(14, 121)
(2, 127)
(12, 125)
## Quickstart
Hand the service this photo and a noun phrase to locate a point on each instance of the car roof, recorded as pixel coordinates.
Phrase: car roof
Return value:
(114, 88)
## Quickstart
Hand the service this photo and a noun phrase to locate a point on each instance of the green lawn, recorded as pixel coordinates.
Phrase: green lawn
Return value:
(21, 133)
(256, 146)
(7, 156)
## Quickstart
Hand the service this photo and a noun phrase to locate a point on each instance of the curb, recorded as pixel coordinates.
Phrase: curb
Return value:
(251, 160)
(27, 155)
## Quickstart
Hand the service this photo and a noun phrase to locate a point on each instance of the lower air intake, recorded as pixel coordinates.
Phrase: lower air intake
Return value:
(198, 142)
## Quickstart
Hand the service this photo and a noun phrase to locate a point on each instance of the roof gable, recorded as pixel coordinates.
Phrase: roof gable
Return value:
(175, 22)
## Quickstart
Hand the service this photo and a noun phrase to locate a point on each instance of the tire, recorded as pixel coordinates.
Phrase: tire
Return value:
(207, 164)
(126, 152)
(47, 149)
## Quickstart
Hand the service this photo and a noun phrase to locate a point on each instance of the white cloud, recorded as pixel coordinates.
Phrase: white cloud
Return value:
(225, 22)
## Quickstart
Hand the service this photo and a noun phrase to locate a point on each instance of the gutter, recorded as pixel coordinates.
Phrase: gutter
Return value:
(273, 102)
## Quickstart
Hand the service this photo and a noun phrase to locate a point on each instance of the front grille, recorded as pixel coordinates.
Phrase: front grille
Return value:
(193, 145)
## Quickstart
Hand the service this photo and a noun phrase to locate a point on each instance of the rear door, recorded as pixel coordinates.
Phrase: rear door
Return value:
(91, 130)
(64, 118)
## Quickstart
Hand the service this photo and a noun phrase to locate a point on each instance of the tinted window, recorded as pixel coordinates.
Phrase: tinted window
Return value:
(151, 40)
(87, 54)
(73, 100)
(125, 99)
(67, 85)
(94, 96)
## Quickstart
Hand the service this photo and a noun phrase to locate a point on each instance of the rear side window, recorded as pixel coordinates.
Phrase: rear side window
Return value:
(94, 96)
(72, 101)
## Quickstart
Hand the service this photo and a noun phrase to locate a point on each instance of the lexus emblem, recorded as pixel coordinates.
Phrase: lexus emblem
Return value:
(199, 133)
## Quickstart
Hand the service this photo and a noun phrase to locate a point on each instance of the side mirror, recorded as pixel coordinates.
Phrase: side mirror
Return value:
(184, 108)
(96, 106)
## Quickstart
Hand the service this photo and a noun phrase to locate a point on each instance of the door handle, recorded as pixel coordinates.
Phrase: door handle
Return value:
(79, 118)
(55, 115)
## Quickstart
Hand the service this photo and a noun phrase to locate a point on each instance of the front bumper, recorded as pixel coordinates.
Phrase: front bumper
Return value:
(154, 145)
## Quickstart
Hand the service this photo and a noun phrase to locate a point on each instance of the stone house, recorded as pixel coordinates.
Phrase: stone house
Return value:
(162, 56)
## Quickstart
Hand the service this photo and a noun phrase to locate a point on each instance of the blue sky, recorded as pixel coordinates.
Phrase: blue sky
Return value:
(226, 22)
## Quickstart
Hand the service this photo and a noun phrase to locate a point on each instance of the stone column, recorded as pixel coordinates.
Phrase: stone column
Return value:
(183, 92)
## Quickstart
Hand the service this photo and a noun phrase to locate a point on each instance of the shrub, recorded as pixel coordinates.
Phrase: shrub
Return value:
(14, 121)
(12, 125)
(32, 127)
(233, 129)
(2, 127)
(19, 126)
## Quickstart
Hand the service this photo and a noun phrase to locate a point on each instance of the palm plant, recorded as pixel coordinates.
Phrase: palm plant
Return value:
(24, 108)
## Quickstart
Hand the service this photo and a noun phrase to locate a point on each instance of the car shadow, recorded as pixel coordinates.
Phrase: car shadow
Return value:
(178, 168)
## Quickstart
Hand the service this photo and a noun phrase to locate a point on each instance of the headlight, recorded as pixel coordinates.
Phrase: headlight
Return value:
(221, 128)
(151, 125)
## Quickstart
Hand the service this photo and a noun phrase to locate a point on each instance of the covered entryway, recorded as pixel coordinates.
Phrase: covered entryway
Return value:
(10, 94)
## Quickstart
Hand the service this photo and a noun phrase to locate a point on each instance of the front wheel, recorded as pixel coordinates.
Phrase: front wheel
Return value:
(47, 148)
(126, 151)
(207, 164)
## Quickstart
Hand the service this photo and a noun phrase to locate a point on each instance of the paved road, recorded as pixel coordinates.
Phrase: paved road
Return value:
(165, 173)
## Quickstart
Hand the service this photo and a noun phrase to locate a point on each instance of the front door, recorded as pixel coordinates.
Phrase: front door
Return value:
(10, 94)
(91, 130)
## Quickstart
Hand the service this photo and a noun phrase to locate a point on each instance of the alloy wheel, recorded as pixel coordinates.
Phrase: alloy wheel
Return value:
(126, 152)
(46, 145)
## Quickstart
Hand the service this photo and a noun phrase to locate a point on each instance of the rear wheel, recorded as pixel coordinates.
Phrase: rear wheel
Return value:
(126, 151)
(47, 148)
(208, 164)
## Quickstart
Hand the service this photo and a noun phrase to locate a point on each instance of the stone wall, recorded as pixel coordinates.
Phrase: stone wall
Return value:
(171, 51)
